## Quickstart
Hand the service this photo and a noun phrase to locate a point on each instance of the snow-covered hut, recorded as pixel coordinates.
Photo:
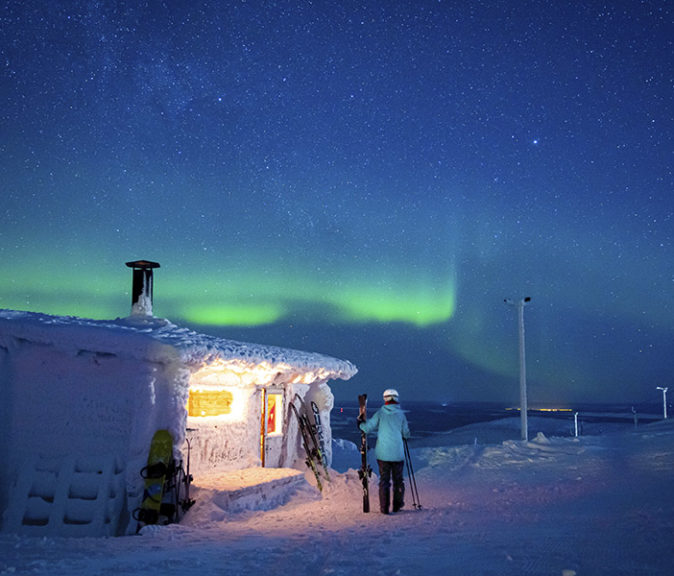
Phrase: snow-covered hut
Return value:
(82, 399)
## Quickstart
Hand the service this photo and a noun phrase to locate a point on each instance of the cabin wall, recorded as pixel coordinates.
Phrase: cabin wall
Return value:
(84, 407)
(232, 441)
(76, 404)
(226, 442)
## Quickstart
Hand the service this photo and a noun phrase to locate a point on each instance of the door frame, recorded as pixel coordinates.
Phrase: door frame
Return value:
(274, 441)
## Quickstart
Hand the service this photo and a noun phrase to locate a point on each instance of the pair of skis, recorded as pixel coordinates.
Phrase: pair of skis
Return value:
(365, 471)
(313, 440)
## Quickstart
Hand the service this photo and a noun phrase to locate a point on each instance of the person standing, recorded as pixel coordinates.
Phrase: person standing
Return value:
(391, 425)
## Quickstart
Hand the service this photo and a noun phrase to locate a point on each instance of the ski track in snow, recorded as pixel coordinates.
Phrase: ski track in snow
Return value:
(595, 506)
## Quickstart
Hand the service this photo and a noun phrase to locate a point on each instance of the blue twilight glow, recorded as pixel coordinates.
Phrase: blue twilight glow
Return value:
(363, 179)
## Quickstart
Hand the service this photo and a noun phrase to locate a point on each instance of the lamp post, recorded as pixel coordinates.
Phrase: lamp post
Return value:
(664, 400)
(520, 304)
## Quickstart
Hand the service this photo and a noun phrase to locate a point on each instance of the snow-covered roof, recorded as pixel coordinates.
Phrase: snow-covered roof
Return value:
(156, 339)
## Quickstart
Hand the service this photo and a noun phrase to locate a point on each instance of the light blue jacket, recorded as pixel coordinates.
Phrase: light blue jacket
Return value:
(391, 425)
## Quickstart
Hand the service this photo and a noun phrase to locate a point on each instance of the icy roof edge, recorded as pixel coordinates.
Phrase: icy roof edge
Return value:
(137, 336)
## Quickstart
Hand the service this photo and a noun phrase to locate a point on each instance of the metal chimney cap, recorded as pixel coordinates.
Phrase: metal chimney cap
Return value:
(143, 264)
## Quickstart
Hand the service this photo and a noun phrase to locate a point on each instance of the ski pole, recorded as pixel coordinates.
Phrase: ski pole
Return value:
(413, 483)
(409, 475)
(414, 480)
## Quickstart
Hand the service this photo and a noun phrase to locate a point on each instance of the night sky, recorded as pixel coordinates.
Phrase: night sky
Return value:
(365, 179)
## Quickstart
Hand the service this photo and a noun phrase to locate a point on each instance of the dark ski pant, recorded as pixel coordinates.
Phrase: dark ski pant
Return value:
(386, 471)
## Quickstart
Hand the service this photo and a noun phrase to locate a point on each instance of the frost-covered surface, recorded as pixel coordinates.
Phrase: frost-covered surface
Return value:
(597, 505)
(158, 339)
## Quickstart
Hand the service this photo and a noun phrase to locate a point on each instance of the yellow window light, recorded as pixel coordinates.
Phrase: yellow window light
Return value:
(209, 402)
(274, 413)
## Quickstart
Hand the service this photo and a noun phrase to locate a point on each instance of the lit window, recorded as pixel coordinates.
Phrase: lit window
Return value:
(209, 402)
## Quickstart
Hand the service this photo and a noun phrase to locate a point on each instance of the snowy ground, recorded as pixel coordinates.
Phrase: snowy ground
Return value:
(598, 505)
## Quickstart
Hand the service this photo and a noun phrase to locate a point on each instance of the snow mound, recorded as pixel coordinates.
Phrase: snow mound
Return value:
(541, 439)
(345, 454)
(595, 505)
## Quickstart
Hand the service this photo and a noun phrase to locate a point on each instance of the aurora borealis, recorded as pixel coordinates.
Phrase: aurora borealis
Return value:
(364, 179)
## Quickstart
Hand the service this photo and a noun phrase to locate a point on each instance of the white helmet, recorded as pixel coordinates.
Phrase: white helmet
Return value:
(390, 393)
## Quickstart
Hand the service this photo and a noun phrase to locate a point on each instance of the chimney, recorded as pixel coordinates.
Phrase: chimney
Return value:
(141, 296)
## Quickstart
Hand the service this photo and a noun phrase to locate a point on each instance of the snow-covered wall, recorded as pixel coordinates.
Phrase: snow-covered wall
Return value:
(73, 404)
(222, 443)
(225, 443)
(78, 404)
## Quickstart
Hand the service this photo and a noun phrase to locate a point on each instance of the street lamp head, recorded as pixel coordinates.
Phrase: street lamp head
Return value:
(521, 302)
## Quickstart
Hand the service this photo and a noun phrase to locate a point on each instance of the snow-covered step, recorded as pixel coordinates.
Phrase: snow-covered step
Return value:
(67, 496)
(249, 488)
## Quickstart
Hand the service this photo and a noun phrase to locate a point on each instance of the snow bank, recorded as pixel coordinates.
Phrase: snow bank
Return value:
(553, 506)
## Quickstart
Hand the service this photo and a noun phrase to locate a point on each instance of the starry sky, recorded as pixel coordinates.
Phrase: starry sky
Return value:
(364, 179)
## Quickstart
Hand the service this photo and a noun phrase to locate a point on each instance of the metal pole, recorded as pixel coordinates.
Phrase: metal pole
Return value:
(524, 408)
(523, 368)
(664, 400)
